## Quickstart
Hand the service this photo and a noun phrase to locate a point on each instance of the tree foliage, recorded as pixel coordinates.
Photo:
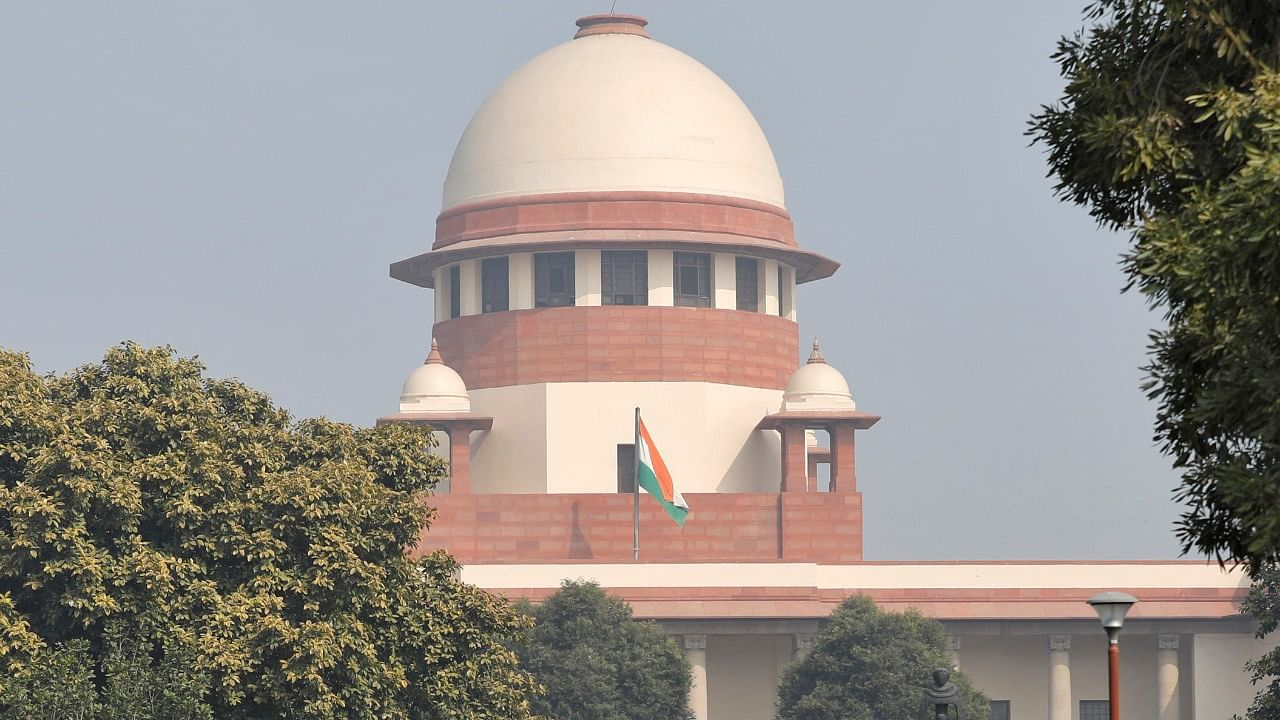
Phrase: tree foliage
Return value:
(139, 682)
(1263, 603)
(598, 662)
(198, 520)
(867, 664)
(1169, 129)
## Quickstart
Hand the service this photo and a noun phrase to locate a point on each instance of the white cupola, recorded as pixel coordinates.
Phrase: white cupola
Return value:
(816, 386)
(434, 387)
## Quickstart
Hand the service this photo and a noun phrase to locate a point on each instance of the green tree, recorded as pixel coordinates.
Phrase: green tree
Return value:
(867, 664)
(140, 682)
(264, 554)
(56, 684)
(1169, 130)
(598, 662)
(1263, 603)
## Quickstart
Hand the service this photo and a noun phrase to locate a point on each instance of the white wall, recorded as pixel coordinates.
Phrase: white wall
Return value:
(861, 576)
(511, 457)
(1010, 668)
(705, 432)
(743, 673)
(569, 432)
(1222, 687)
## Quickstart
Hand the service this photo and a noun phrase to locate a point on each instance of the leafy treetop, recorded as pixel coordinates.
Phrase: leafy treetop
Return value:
(869, 663)
(1169, 129)
(196, 518)
(599, 663)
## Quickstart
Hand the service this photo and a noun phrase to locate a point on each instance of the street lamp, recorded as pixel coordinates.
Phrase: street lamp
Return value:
(1111, 608)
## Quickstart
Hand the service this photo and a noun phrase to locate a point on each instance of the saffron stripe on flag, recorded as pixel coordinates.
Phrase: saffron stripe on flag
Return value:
(655, 478)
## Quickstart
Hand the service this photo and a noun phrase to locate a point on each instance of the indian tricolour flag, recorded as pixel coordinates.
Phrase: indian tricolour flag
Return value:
(653, 476)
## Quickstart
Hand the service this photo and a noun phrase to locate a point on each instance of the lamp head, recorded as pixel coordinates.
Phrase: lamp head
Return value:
(1111, 608)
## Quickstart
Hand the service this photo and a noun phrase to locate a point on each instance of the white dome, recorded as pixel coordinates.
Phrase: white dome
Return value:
(434, 387)
(612, 111)
(817, 386)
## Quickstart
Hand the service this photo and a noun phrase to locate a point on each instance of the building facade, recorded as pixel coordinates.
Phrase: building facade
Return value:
(614, 235)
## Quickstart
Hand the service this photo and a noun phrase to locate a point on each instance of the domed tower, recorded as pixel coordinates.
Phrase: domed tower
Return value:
(614, 235)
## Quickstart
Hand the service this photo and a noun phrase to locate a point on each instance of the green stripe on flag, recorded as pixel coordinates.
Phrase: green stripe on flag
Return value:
(649, 482)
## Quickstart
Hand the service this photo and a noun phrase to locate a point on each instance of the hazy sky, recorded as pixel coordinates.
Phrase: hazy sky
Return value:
(233, 179)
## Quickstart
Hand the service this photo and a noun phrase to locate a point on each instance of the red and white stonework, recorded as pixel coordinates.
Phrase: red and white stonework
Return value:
(615, 142)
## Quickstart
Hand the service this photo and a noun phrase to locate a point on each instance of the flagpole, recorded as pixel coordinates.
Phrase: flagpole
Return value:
(635, 492)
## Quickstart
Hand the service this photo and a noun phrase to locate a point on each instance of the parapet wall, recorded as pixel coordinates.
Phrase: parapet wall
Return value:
(721, 527)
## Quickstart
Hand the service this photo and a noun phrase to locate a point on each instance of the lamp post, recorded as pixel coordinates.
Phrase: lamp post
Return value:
(1111, 608)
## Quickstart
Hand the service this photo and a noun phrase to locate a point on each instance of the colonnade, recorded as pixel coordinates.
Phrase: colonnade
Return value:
(1060, 697)
(1168, 702)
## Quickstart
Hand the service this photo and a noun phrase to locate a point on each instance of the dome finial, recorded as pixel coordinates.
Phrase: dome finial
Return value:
(433, 357)
(816, 355)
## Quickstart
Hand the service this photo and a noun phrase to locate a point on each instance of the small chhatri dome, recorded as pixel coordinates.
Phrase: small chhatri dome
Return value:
(817, 386)
(612, 110)
(434, 387)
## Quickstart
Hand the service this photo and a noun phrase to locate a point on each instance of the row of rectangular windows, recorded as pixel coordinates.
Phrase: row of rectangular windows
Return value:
(624, 280)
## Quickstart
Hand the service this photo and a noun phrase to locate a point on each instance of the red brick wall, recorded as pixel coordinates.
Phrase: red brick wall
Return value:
(821, 527)
(620, 343)
(727, 527)
(623, 210)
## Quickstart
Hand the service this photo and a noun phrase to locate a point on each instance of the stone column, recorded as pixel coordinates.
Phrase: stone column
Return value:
(695, 650)
(469, 287)
(1059, 677)
(1168, 702)
(842, 465)
(586, 277)
(793, 458)
(459, 460)
(520, 281)
(803, 644)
